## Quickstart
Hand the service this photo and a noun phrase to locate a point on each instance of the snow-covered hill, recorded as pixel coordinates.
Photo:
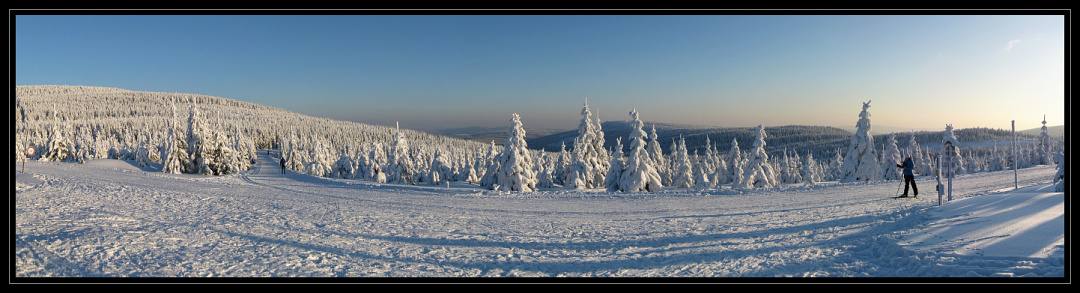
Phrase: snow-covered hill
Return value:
(110, 218)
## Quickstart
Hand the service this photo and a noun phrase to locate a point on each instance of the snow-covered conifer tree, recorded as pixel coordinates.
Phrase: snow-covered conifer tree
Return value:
(60, 146)
(294, 154)
(615, 169)
(952, 162)
(142, 155)
(377, 162)
(584, 166)
(683, 176)
(890, 159)
(558, 174)
(174, 157)
(656, 153)
(439, 169)
(515, 171)
(545, 164)
(639, 170)
(1059, 177)
(602, 155)
(758, 172)
(1044, 156)
(734, 161)
(344, 167)
(861, 164)
(810, 172)
(915, 153)
(399, 168)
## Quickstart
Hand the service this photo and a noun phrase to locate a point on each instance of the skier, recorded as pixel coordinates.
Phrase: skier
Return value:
(282, 165)
(909, 176)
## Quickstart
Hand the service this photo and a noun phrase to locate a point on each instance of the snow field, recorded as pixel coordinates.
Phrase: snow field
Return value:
(110, 218)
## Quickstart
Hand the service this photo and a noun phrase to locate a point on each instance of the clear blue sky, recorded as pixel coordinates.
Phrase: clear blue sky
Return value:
(442, 71)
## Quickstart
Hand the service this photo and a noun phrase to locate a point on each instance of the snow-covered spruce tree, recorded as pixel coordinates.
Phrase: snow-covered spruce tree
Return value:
(294, 153)
(890, 159)
(320, 163)
(1059, 177)
(810, 173)
(701, 177)
(439, 169)
(20, 148)
(174, 155)
(916, 155)
(602, 155)
(718, 178)
(787, 169)
(344, 167)
(683, 175)
(377, 162)
(399, 168)
(758, 172)
(202, 145)
(861, 164)
(707, 160)
(1044, 155)
(639, 170)
(84, 141)
(544, 166)
(951, 161)
(582, 171)
(734, 161)
(657, 154)
(142, 155)
(561, 164)
(616, 167)
(929, 166)
(515, 171)
(60, 146)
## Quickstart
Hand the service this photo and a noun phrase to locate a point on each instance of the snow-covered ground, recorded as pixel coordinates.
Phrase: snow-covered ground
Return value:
(109, 218)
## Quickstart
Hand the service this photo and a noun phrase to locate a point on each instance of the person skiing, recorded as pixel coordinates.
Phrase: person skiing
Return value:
(909, 176)
(282, 165)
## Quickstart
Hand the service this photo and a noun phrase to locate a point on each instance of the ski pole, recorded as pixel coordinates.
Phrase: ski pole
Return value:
(898, 189)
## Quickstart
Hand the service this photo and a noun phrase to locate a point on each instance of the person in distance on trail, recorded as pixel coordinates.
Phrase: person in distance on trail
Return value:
(909, 176)
(283, 166)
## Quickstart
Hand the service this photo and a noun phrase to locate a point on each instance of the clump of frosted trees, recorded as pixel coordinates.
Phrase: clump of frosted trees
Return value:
(220, 136)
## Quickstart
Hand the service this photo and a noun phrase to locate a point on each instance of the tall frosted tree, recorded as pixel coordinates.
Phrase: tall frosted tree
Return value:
(586, 166)
(758, 173)
(1044, 155)
(616, 168)
(602, 156)
(683, 176)
(810, 172)
(890, 159)
(399, 168)
(515, 171)
(951, 161)
(639, 170)
(60, 146)
(656, 153)
(861, 163)
(916, 155)
(1059, 177)
(734, 172)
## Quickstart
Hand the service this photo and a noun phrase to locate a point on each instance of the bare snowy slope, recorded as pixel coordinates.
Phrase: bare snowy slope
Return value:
(108, 218)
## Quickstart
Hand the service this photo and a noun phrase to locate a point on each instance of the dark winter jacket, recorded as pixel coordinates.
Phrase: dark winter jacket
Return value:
(908, 165)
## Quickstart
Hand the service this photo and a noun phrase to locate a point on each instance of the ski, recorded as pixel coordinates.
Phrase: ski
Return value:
(905, 197)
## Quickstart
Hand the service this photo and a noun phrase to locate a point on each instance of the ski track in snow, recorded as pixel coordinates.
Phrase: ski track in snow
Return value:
(108, 218)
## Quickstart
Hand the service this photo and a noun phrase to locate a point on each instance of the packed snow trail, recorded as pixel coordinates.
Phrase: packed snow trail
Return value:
(108, 218)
